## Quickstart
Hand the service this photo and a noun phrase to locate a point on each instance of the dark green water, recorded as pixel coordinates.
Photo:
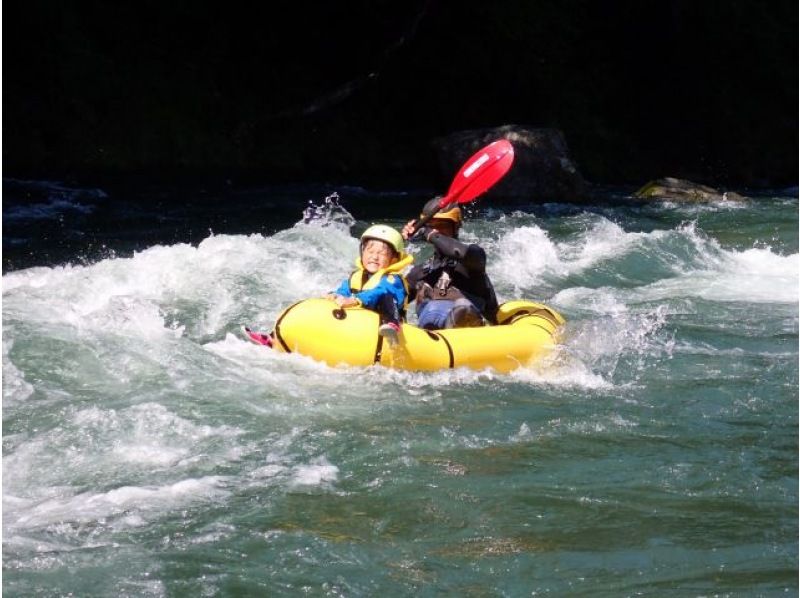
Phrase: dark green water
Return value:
(149, 451)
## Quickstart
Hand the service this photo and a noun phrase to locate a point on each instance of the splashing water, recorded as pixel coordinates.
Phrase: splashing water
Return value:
(149, 449)
(329, 213)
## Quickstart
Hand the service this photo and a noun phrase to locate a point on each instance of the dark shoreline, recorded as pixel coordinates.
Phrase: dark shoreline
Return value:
(357, 92)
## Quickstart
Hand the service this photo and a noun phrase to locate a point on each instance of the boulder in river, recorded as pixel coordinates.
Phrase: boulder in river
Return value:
(679, 190)
(542, 170)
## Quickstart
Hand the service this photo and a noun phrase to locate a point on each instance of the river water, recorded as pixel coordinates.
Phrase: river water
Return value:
(149, 450)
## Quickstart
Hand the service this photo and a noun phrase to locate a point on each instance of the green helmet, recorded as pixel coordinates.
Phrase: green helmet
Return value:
(386, 234)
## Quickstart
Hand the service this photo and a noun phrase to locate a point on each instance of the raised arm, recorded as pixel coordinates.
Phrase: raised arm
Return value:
(472, 256)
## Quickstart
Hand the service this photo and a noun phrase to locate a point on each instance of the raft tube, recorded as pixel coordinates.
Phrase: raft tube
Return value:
(320, 329)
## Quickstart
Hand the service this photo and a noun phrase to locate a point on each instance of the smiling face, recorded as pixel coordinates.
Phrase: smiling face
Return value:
(376, 254)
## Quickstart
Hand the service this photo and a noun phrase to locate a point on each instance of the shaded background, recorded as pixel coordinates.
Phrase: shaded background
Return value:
(355, 91)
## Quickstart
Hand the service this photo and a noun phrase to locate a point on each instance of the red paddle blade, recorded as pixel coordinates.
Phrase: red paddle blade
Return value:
(487, 166)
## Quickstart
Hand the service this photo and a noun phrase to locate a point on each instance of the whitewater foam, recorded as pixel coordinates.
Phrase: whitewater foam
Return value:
(15, 387)
(755, 275)
(98, 507)
(143, 435)
(319, 473)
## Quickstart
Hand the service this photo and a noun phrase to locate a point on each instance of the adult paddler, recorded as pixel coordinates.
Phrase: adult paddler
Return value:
(451, 289)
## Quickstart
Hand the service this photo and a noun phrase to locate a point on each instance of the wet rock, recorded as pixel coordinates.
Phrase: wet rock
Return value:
(542, 171)
(672, 189)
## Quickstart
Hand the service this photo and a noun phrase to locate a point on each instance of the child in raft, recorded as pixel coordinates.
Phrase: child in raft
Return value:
(377, 283)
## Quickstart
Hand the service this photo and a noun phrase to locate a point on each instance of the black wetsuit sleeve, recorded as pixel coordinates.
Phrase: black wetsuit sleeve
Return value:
(473, 257)
(412, 278)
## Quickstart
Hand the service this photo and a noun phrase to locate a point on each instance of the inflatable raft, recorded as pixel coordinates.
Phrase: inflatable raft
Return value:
(318, 328)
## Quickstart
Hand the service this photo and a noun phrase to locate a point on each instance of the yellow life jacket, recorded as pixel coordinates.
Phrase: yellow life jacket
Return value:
(361, 280)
